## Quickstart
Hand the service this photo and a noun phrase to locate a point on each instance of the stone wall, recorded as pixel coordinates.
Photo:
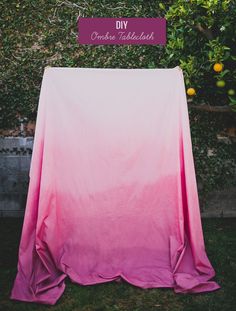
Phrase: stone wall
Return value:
(15, 157)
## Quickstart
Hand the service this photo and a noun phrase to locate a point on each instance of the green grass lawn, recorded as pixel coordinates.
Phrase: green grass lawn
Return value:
(220, 239)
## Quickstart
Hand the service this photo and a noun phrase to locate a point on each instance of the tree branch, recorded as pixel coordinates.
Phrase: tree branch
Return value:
(209, 108)
(206, 32)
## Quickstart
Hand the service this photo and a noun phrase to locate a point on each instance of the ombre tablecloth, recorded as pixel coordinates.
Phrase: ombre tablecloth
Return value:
(112, 190)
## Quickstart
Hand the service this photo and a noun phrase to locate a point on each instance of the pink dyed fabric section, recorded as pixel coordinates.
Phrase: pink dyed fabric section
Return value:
(112, 190)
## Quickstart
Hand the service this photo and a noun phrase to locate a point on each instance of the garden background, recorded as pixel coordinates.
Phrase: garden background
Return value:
(200, 33)
(36, 34)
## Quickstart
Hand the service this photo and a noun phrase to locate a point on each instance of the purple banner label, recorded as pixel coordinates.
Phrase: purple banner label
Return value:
(123, 30)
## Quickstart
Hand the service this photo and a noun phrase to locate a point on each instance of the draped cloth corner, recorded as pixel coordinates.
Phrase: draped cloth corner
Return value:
(112, 190)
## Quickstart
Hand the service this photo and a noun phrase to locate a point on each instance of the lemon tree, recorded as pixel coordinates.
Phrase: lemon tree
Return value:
(202, 38)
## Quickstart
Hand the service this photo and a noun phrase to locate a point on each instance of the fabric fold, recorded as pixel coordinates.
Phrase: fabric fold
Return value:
(192, 251)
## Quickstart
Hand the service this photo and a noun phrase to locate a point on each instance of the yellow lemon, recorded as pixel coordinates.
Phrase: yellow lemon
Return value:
(191, 91)
(218, 67)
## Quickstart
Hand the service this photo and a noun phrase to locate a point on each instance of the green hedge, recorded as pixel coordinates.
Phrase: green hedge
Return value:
(35, 34)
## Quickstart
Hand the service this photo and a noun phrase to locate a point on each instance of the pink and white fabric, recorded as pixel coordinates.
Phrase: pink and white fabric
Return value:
(112, 190)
